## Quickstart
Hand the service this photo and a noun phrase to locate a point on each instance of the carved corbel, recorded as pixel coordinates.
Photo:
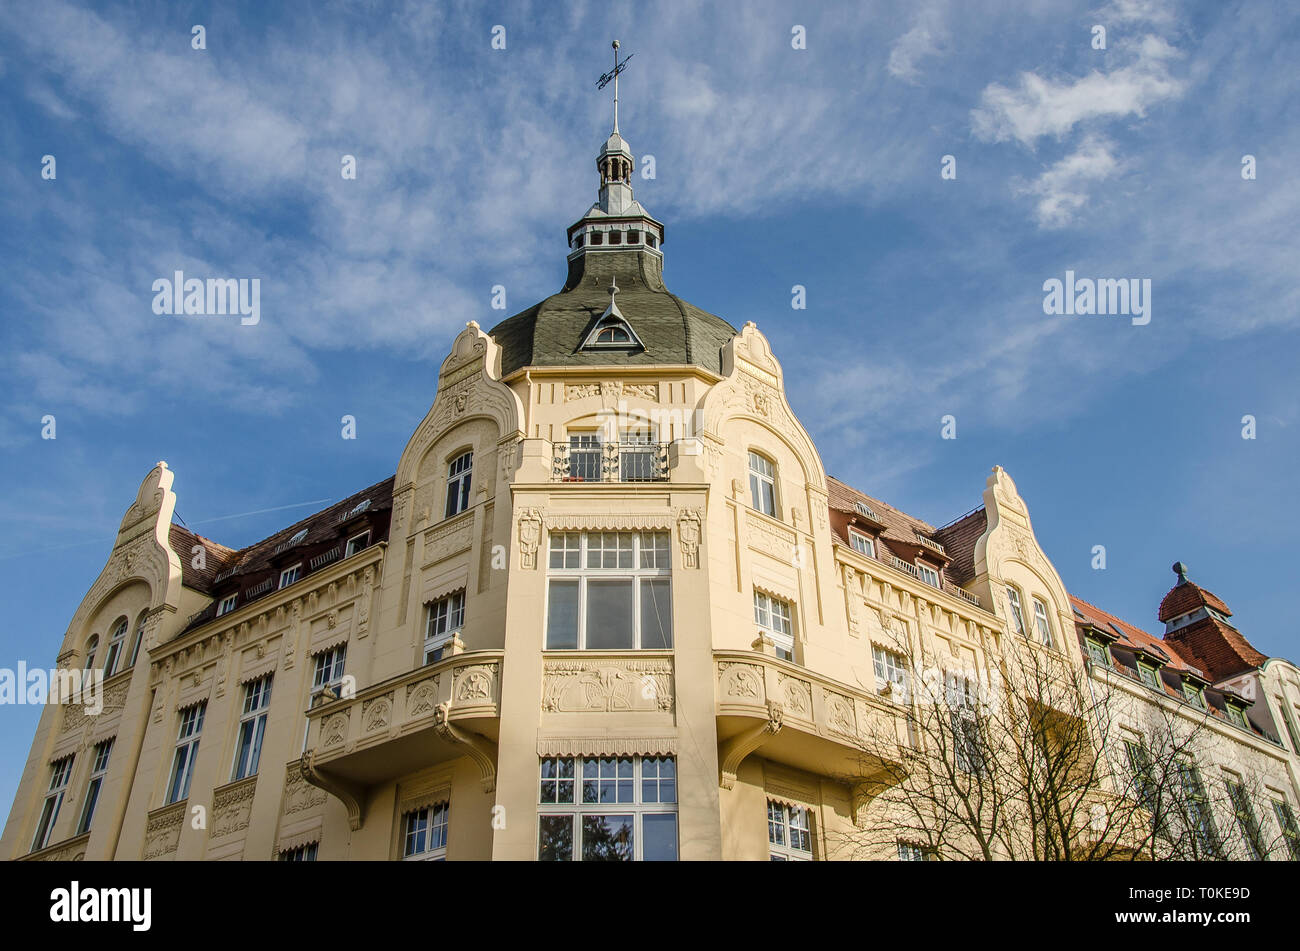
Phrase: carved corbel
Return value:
(351, 795)
(480, 749)
(734, 750)
(863, 792)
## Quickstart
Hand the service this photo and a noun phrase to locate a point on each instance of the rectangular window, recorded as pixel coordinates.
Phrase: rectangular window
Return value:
(789, 833)
(1247, 823)
(290, 575)
(1200, 820)
(458, 481)
(890, 667)
(585, 457)
(620, 600)
(60, 773)
(227, 604)
(1042, 624)
(329, 667)
(303, 853)
(927, 574)
(862, 543)
(773, 616)
(1194, 696)
(1098, 652)
(1289, 719)
(1148, 675)
(911, 852)
(445, 618)
(1238, 716)
(762, 484)
(425, 833)
(1017, 616)
(1290, 831)
(607, 808)
(252, 727)
(187, 749)
(97, 771)
(966, 740)
(356, 543)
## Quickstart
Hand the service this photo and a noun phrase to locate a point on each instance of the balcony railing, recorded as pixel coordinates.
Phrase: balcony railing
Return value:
(611, 462)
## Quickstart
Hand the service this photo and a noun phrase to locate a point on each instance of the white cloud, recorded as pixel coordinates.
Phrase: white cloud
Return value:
(1039, 107)
(928, 37)
(1061, 190)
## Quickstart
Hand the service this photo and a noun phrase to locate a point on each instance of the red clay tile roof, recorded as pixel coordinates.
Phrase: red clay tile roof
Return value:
(896, 532)
(217, 557)
(1188, 596)
(1132, 638)
(960, 538)
(1221, 650)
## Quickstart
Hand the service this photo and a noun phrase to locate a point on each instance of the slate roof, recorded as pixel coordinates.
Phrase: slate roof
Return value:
(216, 557)
(672, 331)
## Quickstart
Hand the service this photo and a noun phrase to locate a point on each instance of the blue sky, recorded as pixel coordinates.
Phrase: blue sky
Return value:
(775, 166)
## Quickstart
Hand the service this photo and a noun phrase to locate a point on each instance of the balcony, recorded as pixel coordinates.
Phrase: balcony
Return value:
(610, 462)
(435, 713)
(806, 721)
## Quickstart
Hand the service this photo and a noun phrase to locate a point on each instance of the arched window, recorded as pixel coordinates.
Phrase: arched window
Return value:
(1017, 615)
(115, 642)
(139, 639)
(762, 484)
(614, 335)
(458, 480)
(92, 645)
(1041, 622)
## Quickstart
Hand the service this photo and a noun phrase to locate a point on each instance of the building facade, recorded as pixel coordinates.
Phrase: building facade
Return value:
(609, 606)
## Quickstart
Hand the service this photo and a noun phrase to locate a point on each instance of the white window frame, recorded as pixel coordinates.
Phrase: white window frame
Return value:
(228, 604)
(139, 640)
(440, 626)
(1017, 612)
(188, 734)
(648, 565)
(252, 722)
(862, 543)
(927, 574)
(116, 641)
(460, 472)
(432, 847)
(328, 666)
(1043, 623)
(94, 785)
(638, 807)
(350, 550)
(776, 624)
(303, 853)
(60, 774)
(763, 473)
(786, 825)
(912, 852)
(293, 570)
(890, 667)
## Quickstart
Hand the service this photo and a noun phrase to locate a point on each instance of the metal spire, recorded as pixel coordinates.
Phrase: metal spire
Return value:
(605, 79)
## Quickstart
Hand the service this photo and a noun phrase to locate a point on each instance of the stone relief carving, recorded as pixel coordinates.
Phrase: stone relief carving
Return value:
(530, 535)
(607, 686)
(300, 795)
(421, 697)
(473, 684)
(376, 714)
(689, 531)
(232, 808)
(741, 682)
(162, 832)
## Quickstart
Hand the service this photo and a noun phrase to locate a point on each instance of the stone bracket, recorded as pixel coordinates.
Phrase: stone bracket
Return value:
(732, 752)
(480, 749)
(351, 795)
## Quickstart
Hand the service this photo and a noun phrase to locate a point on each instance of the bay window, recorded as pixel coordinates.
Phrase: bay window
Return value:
(607, 808)
(609, 591)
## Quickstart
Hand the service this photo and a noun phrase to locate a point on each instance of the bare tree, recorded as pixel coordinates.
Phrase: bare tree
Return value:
(1026, 762)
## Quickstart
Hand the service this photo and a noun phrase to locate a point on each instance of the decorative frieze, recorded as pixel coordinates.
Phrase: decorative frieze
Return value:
(162, 831)
(232, 806)
(607, 685)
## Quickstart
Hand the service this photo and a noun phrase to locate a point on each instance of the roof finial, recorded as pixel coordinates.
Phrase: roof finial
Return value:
(605, 79)
(1180, 569)
(613, 289)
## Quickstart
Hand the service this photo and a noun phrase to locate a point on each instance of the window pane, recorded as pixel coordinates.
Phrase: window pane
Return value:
(609, 614)
(607, 838)
(555, 839)
(562, 616)
(659, 837)
(656, 614)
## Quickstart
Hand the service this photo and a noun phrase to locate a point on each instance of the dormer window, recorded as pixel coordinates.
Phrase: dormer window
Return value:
(1194, 694)
(927, 574)
(616, 237)
(612, 331)
(1237, 715)
(1098, 652)
(597, 238)
(862, 544)
(1148, 674)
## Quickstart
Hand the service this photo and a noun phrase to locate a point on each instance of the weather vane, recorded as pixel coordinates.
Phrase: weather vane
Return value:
(605, 79)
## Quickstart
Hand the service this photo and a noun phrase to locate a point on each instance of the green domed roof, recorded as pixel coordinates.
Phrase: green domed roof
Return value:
(551, 333)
